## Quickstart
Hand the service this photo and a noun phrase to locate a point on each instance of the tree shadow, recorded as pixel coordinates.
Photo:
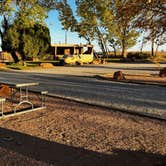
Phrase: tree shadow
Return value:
(83, 88)
(123, 68)
(23, 146)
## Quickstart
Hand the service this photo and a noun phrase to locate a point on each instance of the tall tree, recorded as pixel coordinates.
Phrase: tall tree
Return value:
(80, 23)
(114, 43)
(152, 19)
(5, 6)
(97, 18)
(66, 16)
(90, 22)
(27, 42)
(24, 14)
(10, 39)
(121, 25)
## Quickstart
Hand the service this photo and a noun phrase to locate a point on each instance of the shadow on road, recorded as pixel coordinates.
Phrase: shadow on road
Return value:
(21, 149)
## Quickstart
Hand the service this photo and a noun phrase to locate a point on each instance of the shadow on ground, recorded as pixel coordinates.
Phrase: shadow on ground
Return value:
(123, 68)
(19, 149)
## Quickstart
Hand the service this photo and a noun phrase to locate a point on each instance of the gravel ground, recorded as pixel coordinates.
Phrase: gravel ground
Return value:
(72, 134)
(90, 70)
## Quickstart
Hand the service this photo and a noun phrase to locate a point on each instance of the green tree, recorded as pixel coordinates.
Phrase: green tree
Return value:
(119, 22)
(152, 19)
(100, 18)
(66, 16)
(5, 6)
(19, 16)
(36, 41)
(29, 12)
(85, 22)
(23, 43)
(9, 39)
(114, 43)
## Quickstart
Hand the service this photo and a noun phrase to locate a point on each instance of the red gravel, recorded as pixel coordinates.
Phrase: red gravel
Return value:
(73, 134)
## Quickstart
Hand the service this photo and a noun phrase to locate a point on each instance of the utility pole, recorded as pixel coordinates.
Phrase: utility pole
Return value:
(65, 36)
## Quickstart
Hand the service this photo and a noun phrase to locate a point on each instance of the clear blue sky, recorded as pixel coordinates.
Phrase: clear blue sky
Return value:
(56, 31)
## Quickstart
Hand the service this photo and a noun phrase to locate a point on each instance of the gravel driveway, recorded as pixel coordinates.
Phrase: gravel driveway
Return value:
(90, 70)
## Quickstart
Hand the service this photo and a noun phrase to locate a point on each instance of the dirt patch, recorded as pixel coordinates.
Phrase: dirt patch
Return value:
(152, 79)
(147, 78)
(70, 134)
(47, 65)
(162, 72)
(2, 65)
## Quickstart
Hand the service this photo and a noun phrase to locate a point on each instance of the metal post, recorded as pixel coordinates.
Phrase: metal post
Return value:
(65, 36)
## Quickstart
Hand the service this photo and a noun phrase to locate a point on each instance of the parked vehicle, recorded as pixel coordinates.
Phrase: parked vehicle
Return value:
(79, 57)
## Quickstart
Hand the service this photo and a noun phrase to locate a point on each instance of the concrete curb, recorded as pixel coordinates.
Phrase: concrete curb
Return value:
(130, 81)
(114, 108)
(141, 114)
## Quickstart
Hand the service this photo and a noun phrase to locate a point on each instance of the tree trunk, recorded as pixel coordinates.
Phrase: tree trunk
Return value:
(1, 34)
(152, 47)
(124, 55)
(156, 50)
(65, 36)
(123, 49)
(114, 51)
(142, 45)
(102, 46)
(14, 56)
(106, 49)
(102, 42)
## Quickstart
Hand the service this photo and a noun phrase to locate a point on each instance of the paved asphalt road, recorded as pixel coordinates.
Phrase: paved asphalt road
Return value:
(133, 97)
